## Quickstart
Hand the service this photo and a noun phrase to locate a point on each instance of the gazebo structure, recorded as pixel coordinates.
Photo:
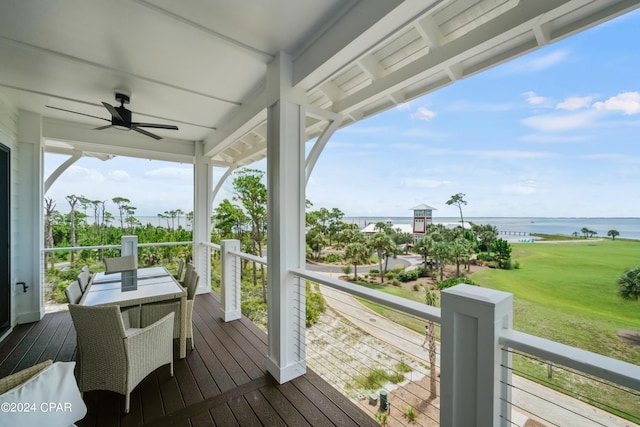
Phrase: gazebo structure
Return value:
(242, 80)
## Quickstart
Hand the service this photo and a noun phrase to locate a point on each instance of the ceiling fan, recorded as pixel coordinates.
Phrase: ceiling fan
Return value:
(121, 118)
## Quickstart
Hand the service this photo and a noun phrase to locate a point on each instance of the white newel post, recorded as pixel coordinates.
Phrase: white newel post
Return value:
(129, 246)
(475, 372)
(286, 358)
(230, 280)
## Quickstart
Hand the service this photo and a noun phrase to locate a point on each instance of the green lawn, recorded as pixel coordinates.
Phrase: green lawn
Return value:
(567, 292)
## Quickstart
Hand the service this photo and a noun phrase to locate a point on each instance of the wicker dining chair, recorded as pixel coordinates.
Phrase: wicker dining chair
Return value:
(189, 270)
(115, 359)
(73, 292)
(150, 313)
(83, 278)
(178, 275)
(121, 263)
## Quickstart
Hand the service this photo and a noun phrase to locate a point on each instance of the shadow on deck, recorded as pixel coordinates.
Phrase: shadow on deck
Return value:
(222, 382)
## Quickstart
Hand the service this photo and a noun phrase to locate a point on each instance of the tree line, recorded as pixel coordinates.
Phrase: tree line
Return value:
(89, 223)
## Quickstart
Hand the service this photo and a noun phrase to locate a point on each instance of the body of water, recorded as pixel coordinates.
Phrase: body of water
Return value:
(628, 228)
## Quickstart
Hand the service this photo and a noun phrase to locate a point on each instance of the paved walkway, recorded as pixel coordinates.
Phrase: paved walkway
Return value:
(555, 408)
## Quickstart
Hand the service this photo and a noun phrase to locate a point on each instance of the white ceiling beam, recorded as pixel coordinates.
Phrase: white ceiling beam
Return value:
(371, 67)
(345, 40)
(235, 125)
(507, 25)
(120, 143)
(428, 30)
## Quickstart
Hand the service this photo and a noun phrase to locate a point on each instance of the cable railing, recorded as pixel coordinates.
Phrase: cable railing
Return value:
(364, 356)
(560, 385)
(352, 344)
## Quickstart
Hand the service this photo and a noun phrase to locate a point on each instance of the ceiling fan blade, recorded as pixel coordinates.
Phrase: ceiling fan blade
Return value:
(144, 132)
(76, 112)
(113, 111)
(154, 125)
(103, 127)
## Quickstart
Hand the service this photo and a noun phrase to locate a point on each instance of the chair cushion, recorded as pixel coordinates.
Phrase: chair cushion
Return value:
(48, 398)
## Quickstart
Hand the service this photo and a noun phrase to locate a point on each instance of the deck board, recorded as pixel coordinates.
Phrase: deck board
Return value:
(222, 382)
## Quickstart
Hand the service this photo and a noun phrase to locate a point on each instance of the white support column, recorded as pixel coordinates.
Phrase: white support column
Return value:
(29, 240)
(286, 358)
(129, 246)
(202, 188)
(475, 371)
(230, 280)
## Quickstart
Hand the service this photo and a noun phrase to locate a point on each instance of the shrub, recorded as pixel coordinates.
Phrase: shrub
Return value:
(346, 269)
(398, 268)
(444, 284)
(315, 305)
(410, 413)
(333, 258)
(389, 275)
(403, 367)
(407, 275)
(483, 256)
(423, 271)
(374, 272)
(395, 282)
(382, 418)
(416, 286)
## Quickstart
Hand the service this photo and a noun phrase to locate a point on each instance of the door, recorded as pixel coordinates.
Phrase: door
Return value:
(5, 233)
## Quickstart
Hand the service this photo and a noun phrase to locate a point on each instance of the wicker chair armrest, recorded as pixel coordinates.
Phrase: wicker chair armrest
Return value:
(152, 330)
(149, 348)
(20, 377)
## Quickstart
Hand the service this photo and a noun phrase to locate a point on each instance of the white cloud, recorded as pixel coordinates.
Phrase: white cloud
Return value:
(518, 189)
(575, 103)
(423, 183)
(552, 139)
(479, 107)
(81, 174)
(541, 62)
(512, 154)
(119, 175)
(366, 129)
(405, 106)
(536, 100)
(560, 122)
(424, 133)
(627, 102)
(423, 113)
(171, 174)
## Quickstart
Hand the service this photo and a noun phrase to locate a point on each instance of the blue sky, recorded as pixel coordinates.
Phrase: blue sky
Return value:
(552, 133)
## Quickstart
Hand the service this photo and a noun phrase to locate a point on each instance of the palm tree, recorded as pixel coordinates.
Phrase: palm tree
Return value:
(423, 247)
(613, 234)
(384, 247)
(358, 253)
(431, 298)
(460, 251)
(630, 284)
(441, 253)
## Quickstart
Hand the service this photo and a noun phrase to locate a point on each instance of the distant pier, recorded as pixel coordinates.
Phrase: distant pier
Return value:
(514, 233)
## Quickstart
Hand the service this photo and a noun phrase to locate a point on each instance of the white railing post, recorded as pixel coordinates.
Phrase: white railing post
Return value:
(129, 246)
(475, 372)
(230, 280)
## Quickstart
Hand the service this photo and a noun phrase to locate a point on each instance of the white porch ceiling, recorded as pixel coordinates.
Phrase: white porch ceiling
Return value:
(201, 64)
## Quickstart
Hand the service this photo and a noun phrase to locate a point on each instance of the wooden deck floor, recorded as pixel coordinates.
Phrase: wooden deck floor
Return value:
(223, 382)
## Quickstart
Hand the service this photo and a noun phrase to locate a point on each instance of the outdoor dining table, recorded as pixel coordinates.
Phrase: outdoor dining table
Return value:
(138, 287)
